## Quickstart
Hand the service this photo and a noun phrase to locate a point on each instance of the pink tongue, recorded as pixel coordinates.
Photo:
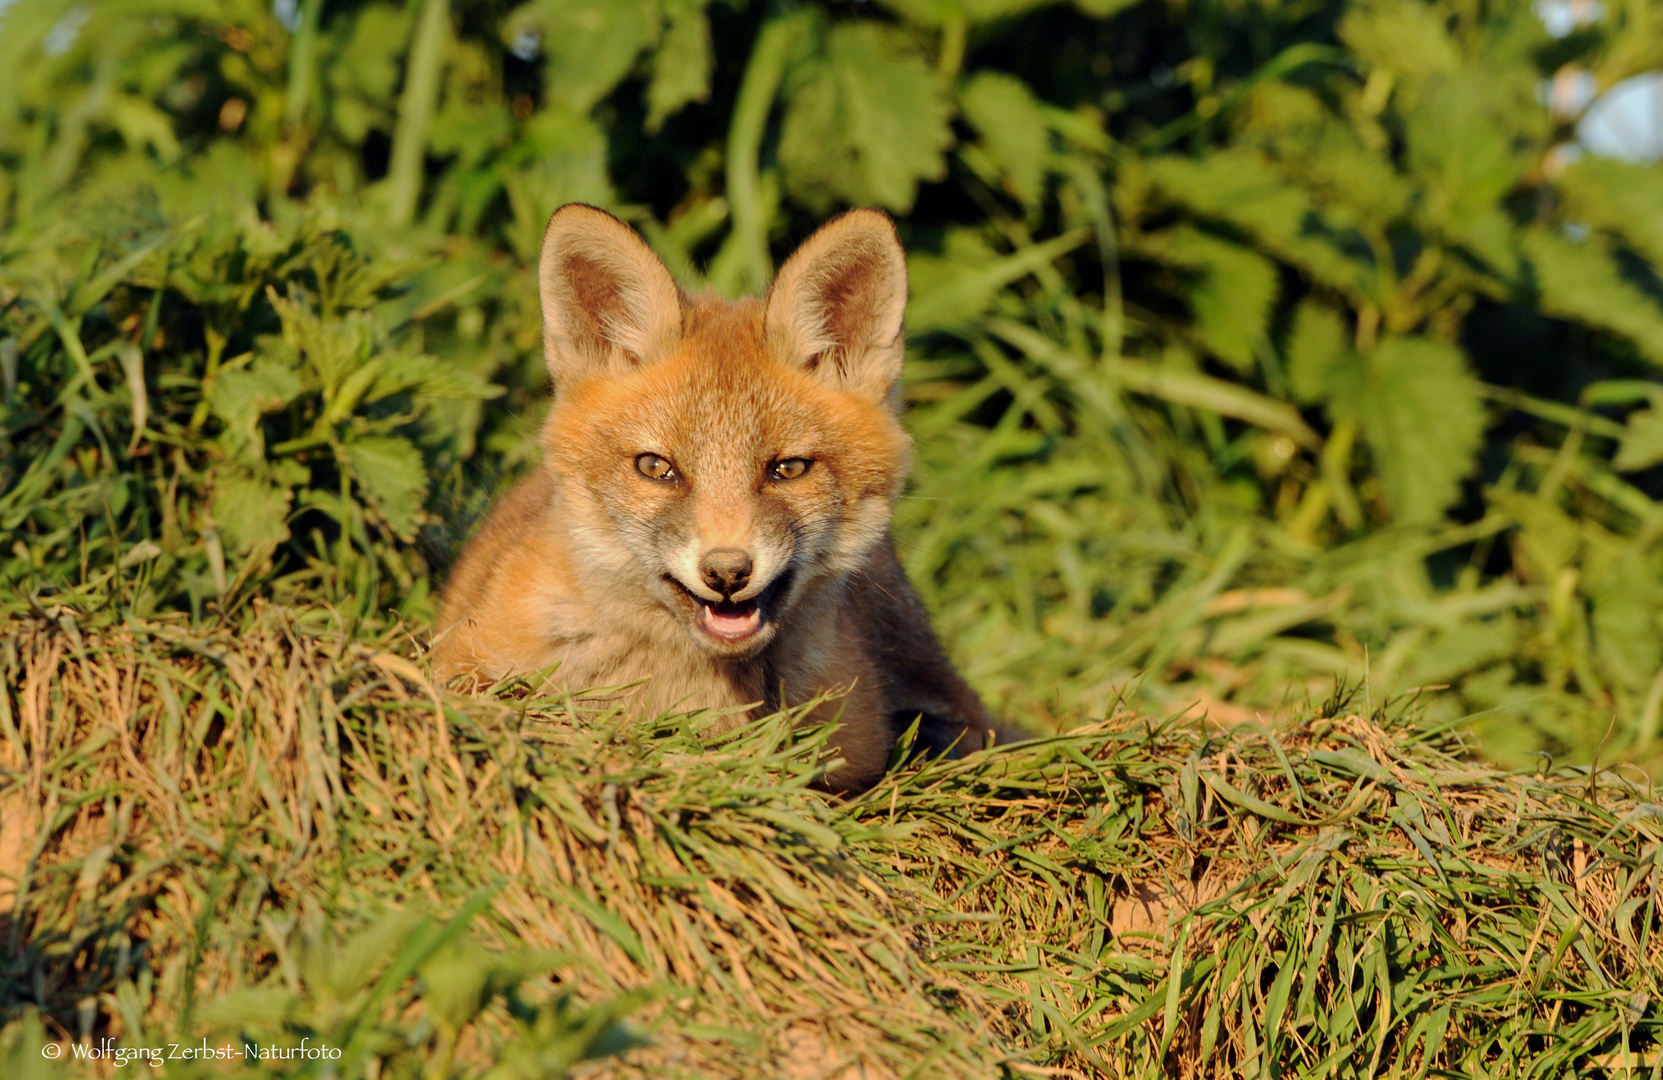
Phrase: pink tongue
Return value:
(732, 625)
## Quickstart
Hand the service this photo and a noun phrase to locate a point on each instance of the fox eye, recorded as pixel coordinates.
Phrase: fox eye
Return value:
(790, 468)
(654, 467)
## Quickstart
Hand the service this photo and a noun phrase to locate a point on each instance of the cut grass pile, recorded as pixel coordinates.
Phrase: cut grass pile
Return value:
(281, 831)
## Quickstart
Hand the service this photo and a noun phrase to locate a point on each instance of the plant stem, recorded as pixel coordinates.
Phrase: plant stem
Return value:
(952, 47)
(749, 238)
(1335, 464)
(301, 64)
(422, 76)
(1095, 195)
(216, 342)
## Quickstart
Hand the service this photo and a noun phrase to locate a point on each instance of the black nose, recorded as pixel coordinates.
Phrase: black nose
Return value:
(727, 570)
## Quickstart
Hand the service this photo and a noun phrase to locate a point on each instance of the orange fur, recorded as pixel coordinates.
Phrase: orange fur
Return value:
(667, 539)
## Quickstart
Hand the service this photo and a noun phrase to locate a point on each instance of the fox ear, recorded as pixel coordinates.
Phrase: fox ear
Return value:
(836, 306)
(609, 303)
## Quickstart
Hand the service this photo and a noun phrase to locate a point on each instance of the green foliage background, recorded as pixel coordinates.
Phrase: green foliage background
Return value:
(1257, 344)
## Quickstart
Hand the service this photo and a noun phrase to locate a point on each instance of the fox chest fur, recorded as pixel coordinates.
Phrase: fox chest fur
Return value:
(709, 527)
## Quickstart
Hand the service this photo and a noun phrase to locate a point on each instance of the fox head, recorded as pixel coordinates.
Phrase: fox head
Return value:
(723, 460)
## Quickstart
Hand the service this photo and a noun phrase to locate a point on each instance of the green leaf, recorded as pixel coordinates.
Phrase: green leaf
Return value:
(1103, 9)
(23, 1040)
(392, 476)
(1580, 281)
(1421, 412)
(249, 1007)
(1238, 187)
(1014, 130)
(681, 67)
(249, 511)
(239, 398)
(941, 12)
(333, 348)
(1623, 198)
(588, 45)
(430, 377)
(1332, 159)
(1405, 37)
(1316, 346)
(1627, 633)
(1168, 381)
(1489, 236)
(266, 385)
(332, 969)
(559, 1035)
(340, 403)
(363, 72)
(456, 983)
(226, 176)
(1549, 540)
(1164, 380)
(1461, 150)
(469, 129)
(561, 159)
(144, 125)
(1233, 296)
(960, 284)
(1474, 645)
(1642, 442)
(866, 123)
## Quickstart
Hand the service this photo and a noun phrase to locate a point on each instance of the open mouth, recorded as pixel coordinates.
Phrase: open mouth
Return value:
(733, 621)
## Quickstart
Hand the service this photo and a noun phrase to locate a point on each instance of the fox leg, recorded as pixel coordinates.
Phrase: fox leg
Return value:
(918, 679)
(830, 654)
(862, 740)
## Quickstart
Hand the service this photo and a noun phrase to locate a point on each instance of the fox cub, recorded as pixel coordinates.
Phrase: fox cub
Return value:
(711, 517)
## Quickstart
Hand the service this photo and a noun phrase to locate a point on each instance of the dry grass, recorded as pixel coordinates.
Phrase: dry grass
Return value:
(285, 831)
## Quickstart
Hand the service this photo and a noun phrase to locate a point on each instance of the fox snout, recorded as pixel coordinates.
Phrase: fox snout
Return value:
(726, 570)
(733, 602)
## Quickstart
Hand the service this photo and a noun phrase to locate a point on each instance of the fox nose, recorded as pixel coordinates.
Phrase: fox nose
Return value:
(727, 570)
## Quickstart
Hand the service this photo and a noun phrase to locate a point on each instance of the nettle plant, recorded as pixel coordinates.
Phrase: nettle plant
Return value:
(295, 446)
